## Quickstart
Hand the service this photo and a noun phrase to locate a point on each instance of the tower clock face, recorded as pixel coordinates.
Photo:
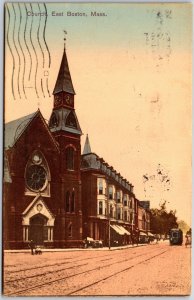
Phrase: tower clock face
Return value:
(36, 177)
(68, 99)
(57, 100)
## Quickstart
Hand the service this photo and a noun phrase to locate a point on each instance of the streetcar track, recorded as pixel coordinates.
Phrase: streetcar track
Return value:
(51, 265)
(116, 273)
(45, 273)
(85, 272)
(57, 264)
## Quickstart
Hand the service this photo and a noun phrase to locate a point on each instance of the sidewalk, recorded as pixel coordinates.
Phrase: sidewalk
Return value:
(76, 249)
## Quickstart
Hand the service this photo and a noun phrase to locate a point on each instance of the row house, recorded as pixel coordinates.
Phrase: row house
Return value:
(144, 219)
(108, 201)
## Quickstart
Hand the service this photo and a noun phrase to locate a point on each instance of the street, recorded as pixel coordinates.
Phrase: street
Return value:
(156, 269)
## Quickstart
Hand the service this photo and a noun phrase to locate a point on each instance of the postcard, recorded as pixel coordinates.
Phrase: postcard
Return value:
(97, 149)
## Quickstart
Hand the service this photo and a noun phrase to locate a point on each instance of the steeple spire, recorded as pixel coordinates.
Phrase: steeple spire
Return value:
(64, 82)
(87, 148)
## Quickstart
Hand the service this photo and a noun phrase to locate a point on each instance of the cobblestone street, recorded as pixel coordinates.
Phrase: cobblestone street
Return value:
(157, 269)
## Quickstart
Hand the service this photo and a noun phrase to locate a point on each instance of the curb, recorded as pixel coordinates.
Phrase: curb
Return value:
(76, 249)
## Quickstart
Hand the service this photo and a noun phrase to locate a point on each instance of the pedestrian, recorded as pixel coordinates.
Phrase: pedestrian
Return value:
(188, 241)
(31, 246)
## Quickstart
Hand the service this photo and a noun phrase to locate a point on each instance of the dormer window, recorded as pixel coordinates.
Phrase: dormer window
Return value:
(53, 121)
(71, 120)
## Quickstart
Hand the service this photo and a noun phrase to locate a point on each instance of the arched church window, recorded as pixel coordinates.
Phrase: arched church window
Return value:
(73, 201)
(69, 229)
(67, 200)
(71, 120)
(69, 157)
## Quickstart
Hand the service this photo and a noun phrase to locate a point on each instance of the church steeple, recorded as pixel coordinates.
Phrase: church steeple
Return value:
(63, 118)
(64, 91)
(64, 82)
(87, 148)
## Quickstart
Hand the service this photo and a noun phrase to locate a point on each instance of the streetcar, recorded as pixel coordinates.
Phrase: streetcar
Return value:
(176, 236)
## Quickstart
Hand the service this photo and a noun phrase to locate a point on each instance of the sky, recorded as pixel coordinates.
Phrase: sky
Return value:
(131, 71)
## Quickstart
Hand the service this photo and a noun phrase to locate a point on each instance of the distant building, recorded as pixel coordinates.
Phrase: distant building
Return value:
(144, 218)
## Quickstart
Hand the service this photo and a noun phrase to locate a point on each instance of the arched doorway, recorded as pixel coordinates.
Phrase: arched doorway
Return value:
(38, 231)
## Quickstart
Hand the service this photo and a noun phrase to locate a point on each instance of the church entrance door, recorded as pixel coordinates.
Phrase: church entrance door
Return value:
(38, 230)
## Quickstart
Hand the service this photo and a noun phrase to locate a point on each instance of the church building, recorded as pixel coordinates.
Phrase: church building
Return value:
(55, 196)
(42, 181)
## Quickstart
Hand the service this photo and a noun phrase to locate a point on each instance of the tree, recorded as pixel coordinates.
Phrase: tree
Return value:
(183, 226)
(162, 221)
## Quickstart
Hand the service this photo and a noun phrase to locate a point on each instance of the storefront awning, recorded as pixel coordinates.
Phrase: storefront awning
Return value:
(115, 228)
(142, 233)
(150, 234)
(120, 229)
(125, 231)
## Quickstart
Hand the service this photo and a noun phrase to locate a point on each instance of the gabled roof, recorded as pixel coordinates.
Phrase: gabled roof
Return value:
(31, 210)
(64, 82)
(14, 129)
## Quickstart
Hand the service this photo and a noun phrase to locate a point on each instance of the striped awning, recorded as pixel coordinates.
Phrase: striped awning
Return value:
(120, 229)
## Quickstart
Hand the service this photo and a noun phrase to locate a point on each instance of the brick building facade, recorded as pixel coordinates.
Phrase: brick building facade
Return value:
(42, 181)
(55, 196)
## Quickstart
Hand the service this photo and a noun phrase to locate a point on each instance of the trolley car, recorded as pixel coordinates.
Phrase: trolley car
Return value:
(176, 236)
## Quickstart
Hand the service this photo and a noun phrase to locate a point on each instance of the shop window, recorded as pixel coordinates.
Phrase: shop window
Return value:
(119, 214)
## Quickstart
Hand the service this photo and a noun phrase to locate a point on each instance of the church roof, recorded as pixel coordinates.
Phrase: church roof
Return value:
(64, 82)
(87, 147)
(14, 129)
(61, 119)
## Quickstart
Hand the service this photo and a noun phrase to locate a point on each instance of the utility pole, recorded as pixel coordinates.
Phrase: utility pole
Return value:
(109, 232)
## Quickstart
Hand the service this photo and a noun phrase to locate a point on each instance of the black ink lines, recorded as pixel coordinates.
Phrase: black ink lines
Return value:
(28, 53)
(13, 58)
(27, 47)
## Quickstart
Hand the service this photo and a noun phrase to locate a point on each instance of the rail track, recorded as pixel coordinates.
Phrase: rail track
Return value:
(12, 288)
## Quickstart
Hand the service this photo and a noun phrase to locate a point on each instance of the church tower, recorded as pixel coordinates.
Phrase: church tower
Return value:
(66, 130)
